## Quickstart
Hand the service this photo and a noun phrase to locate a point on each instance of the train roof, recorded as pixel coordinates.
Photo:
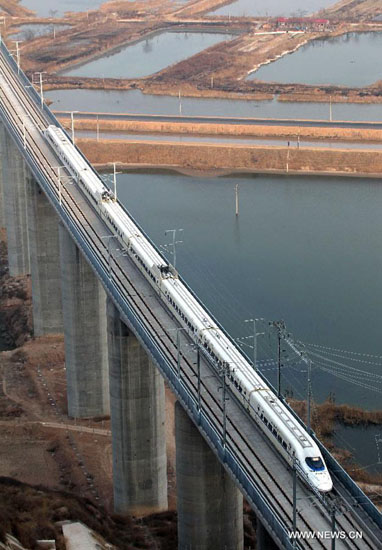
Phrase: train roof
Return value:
(286, 419)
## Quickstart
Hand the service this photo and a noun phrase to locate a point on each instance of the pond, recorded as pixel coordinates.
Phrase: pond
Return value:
(254, 8)
(148, 56)
(55, 8)
(352, 59)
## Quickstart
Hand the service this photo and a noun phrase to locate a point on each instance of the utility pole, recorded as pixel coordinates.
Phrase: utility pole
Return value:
(333, 518)
(237, 198)
(287, 162)
(59, 181)
(180, 102)
(224, 399)
(2, 22)
(280, 326)
(199, 381)
(309, 392)
(109, 238)
(330, 109)
(294, 528)
(41, 88)
(174, 242)
(72, 122)
(17, 42)
(23, 117)
(115, 173)
(255, 335)
(97, 127)
(178, 348)
(59, 184)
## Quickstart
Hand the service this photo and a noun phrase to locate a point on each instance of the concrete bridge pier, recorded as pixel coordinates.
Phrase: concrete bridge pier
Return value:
(44, 261)
(210, 507)
(15, 206)
(137, 403)
(84, 314)
(263, 540)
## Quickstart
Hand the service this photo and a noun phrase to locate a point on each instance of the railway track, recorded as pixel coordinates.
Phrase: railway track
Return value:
(237, 441)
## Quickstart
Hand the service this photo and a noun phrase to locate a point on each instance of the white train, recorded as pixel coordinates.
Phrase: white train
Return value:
(277, 423)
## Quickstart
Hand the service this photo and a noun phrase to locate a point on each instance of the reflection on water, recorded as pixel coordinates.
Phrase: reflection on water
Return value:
(273, 7)
(133, 101)
(148, 56)
(306, 250)
(348, 60)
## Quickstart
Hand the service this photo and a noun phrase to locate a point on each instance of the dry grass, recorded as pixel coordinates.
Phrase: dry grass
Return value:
(31, 513)
(233, 158)
(237, 130)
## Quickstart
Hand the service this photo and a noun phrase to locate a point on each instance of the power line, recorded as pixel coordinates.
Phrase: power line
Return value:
(337, 349)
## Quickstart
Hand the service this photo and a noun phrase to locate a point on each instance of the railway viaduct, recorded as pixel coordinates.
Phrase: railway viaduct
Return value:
(121, 345)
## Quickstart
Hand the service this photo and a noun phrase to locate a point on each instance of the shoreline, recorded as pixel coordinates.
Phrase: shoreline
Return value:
(232, 158)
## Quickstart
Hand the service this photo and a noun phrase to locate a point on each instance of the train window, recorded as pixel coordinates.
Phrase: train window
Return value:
(284, 445)
(315, 463)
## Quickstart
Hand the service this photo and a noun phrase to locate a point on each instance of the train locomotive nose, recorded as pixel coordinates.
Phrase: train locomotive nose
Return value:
(326, 486)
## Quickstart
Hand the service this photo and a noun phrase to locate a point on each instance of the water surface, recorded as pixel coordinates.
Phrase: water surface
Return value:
(55, 8)
(350, 60)
(255, 8)
(364, 443)
(134, 101)
(148, 56)
(306, 250)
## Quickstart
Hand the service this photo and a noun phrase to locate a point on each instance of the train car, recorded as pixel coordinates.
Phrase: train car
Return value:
(271, 415)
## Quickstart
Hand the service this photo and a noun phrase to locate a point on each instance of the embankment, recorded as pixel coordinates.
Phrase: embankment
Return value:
(228, 158)
(235, 130)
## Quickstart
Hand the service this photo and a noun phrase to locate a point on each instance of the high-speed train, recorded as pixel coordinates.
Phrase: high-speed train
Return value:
(275, 420)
